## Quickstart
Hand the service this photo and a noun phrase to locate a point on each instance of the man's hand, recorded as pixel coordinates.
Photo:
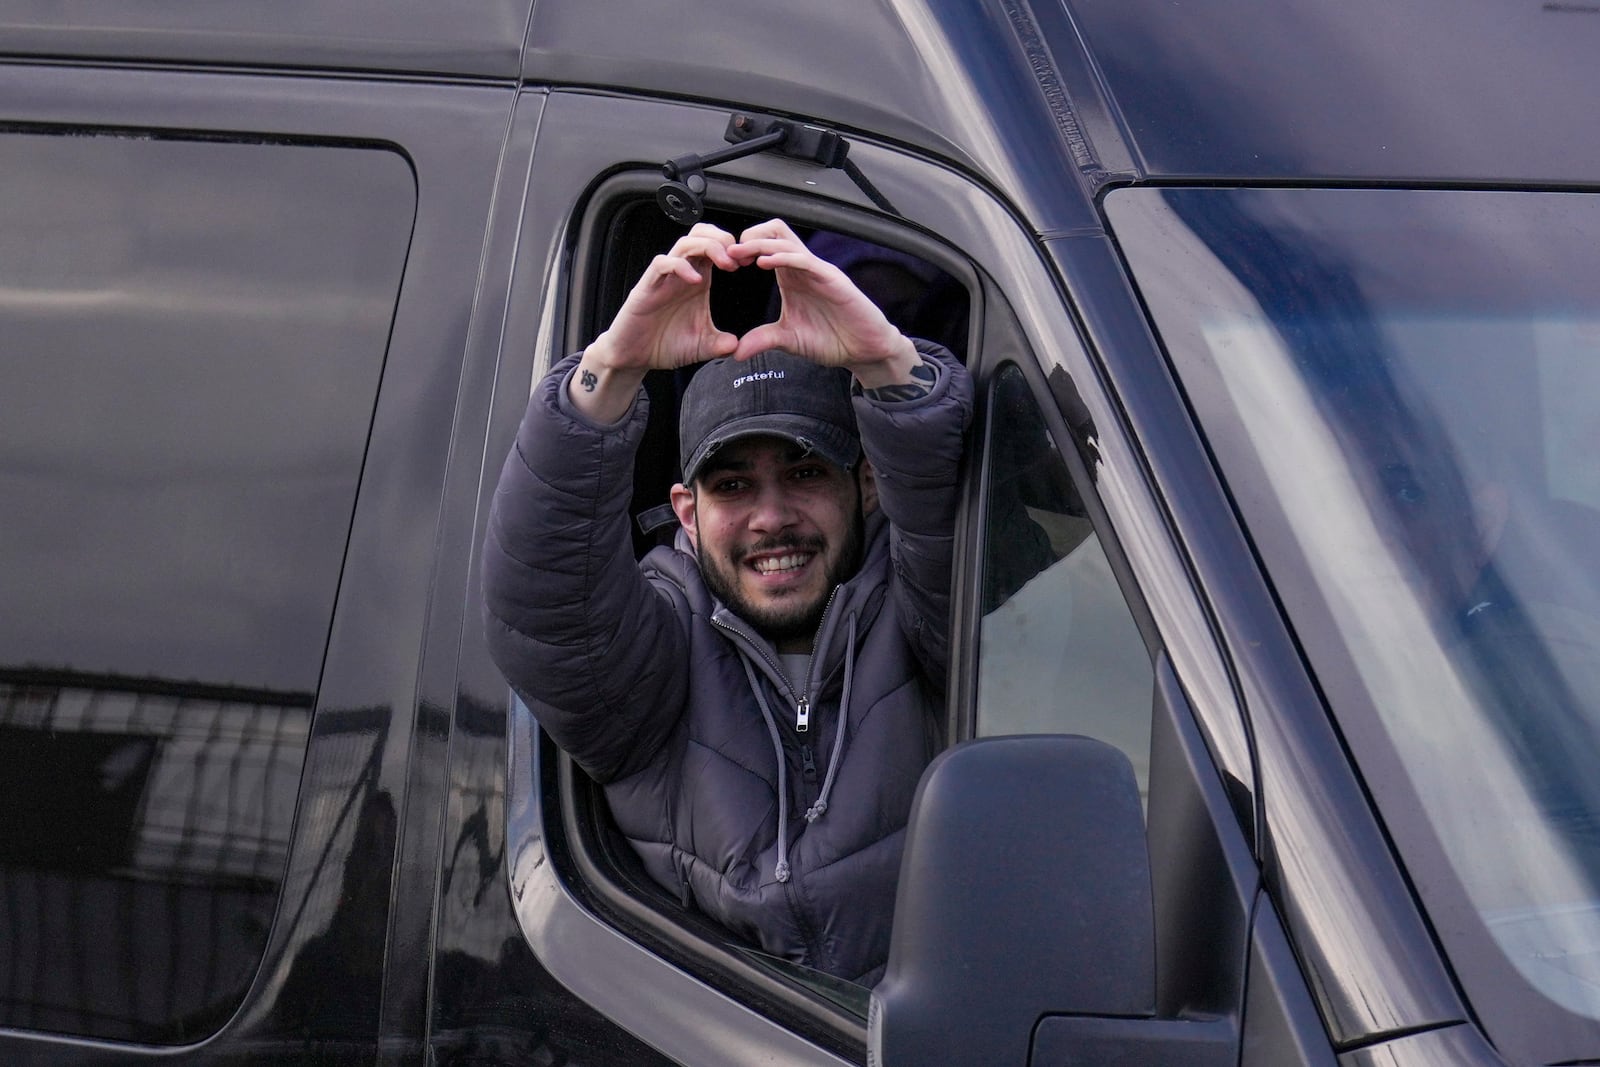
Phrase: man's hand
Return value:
(664, 323)
(825, 317)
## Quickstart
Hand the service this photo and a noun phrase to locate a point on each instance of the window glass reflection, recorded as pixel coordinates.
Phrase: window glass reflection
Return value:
(191, 339)
(1059, 651)
(1399, 388)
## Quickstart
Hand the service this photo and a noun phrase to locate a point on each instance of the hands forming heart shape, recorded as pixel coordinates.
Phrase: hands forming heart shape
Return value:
(666, 320)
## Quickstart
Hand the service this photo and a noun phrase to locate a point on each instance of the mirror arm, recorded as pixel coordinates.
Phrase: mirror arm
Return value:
(682, 195)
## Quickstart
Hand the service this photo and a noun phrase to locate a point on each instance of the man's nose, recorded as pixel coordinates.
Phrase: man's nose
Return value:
(773, 509)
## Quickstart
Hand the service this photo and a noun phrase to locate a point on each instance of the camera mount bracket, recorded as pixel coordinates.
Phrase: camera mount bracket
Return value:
(682, 195)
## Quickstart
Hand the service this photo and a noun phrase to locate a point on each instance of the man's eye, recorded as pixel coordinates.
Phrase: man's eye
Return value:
(801, 473)
(728, 485)
(1402, 484)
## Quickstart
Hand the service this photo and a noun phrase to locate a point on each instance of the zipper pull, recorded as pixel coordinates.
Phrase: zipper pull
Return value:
(802, 715)
(808, 764)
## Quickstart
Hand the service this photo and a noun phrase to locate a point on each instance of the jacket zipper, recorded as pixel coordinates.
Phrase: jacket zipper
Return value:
(802, 708)
(802, 701)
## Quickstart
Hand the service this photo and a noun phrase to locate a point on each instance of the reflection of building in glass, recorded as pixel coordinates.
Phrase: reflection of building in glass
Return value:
(335, 909)
(475, 858)
(147, 832)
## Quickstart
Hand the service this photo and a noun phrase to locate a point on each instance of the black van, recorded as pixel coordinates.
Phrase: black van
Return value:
(1285, 329)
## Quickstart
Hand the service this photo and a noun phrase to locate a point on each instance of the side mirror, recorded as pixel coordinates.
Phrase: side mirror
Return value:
(1024, 893)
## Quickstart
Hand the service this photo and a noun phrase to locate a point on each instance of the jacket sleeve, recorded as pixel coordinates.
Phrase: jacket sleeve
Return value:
(596, 650)
(916, 448)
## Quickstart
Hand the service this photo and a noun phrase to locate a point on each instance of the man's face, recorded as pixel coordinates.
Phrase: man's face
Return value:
(775, 530)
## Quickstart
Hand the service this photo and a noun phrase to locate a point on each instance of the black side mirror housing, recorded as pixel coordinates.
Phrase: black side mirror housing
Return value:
(1024, 893)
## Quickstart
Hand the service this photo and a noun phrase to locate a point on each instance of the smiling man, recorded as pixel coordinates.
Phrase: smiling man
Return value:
(760, 699)
(773, 497)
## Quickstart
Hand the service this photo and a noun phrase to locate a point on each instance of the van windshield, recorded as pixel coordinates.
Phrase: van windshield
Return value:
(1402, 390)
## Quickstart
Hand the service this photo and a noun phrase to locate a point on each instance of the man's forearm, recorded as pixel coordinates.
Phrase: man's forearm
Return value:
(569, 618)
(916, 445)
(895, 368)
(914, 432)
(599, 390)
(924, 378)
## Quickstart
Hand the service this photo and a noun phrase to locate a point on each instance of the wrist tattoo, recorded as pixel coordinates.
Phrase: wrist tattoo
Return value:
(926, 375)
(588, 381)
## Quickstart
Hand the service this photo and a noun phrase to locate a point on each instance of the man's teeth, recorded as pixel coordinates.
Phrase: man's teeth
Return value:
(773, 564)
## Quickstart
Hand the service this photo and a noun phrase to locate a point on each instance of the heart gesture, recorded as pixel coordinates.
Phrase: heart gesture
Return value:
(665, 322)
(824, 316)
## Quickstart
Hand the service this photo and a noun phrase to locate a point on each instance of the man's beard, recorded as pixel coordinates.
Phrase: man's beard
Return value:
(789, 619)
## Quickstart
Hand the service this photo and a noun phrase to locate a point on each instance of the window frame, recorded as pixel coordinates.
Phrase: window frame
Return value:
(586, 848)
(1071, 445)
(625, 899)
(1004, 344)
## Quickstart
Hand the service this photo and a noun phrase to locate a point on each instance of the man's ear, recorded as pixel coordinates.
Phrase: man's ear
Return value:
(683, 502)
(867, 481)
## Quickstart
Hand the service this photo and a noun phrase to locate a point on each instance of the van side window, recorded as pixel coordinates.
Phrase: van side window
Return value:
(1058, 648)
(191, 339)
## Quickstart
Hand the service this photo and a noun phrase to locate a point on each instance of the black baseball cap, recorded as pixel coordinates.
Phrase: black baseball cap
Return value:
(774, 393)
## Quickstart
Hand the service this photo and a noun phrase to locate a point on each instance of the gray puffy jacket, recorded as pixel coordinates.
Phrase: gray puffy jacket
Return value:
(790, 838)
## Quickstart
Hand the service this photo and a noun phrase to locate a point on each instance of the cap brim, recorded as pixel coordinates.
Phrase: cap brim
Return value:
(833, 443)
